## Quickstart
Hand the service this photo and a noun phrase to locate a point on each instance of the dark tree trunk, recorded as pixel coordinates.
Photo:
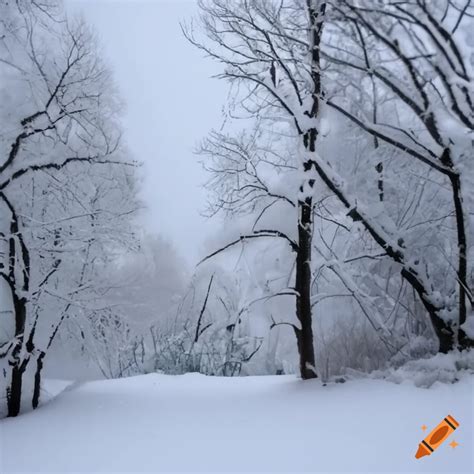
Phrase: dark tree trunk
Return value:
(444, 332)
(303, 267)
(379, 169)
(19, 307)
(17, 251)
(304, 334)
(463, 339)
(14, 392)
(303, 290)
(37, 383)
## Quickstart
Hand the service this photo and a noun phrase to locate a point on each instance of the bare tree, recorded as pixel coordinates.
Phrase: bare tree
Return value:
(59, 206)
(259, 53)
(273, 51)
(412, 51)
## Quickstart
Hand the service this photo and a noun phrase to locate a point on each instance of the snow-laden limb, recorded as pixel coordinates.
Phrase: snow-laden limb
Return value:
(415, 51)
(289, 74)
(394, 247)
(364, 301)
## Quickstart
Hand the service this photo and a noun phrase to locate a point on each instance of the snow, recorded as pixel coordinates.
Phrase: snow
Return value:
(445, 368)
(468, 326)
(211, 424)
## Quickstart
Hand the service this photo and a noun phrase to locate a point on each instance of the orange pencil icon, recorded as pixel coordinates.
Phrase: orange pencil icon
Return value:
(436, 437)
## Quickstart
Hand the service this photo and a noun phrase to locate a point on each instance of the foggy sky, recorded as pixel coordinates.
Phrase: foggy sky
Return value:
(171, 103)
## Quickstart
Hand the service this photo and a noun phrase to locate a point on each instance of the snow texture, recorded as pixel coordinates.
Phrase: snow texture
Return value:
(423, 373)
(195, 423)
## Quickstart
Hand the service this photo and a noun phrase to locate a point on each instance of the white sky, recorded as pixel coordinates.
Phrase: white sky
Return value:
(171, 103)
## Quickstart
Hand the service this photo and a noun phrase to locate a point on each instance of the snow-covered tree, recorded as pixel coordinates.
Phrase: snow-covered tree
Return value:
(411, 74)
(246, 38)
(291, 75)
(66, 184)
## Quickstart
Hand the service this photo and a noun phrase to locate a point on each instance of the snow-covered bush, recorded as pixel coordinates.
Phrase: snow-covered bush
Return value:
(443, 368)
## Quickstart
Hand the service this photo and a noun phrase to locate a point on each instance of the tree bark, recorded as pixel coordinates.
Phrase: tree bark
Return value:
(304, 314)
(14, 391)
(37, 382)
(444, 332)
(16, 251)
(303, 290)
(463, 340)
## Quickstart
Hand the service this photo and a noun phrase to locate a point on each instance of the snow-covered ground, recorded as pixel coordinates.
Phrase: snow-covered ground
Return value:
(275, 423)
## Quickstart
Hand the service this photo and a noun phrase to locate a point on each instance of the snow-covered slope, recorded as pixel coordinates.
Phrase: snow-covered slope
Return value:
(197, 423)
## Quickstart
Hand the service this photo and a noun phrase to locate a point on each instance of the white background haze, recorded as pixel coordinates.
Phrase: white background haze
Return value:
(171, 104)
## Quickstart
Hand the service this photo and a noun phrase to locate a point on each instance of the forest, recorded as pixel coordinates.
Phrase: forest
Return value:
(341, 181)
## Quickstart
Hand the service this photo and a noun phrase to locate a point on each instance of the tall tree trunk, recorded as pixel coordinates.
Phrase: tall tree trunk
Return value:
(303, 290)
(304, 335)
(461, 337)
(17, 252)
(463, 340)
(37, 381)
(14, 391)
